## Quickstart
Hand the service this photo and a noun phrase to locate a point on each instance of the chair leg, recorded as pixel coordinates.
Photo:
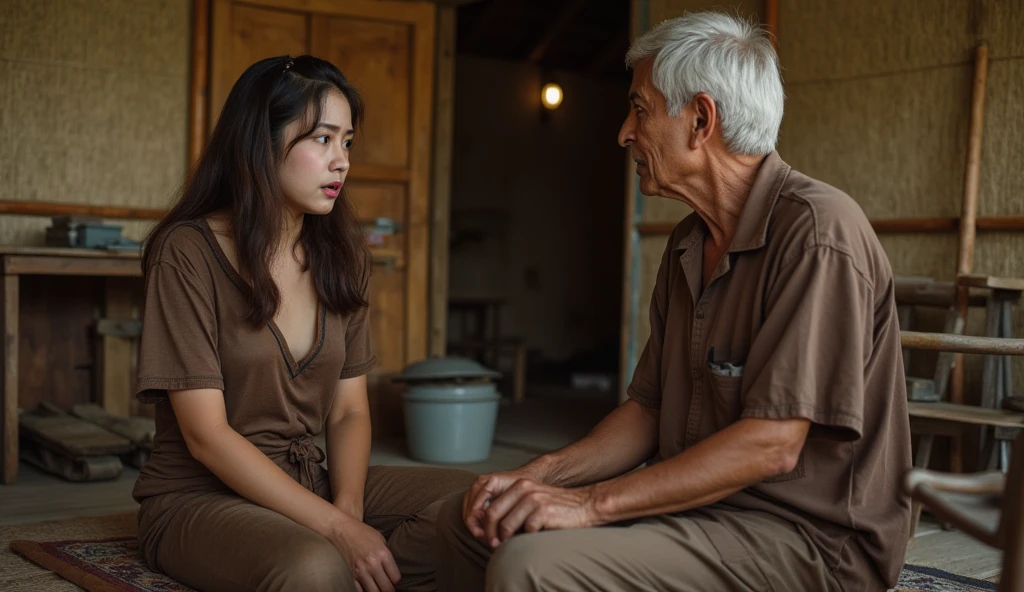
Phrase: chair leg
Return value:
(921, 460)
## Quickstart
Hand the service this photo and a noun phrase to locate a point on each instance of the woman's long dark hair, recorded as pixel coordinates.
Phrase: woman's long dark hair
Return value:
(238, 172)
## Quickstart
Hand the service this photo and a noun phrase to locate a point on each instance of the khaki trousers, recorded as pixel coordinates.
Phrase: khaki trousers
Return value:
(706, 550)
(220, 542)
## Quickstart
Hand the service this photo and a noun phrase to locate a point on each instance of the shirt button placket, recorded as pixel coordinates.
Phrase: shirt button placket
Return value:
(696, 359)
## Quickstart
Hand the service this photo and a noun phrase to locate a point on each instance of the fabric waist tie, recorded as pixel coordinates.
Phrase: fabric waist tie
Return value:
(307, 455)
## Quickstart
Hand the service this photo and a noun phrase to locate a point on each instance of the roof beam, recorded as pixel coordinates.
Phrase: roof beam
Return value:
(481, 25)
(557, 27)
(615, 50)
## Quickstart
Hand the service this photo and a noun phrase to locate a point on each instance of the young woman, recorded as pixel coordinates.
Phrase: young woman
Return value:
(255, 339)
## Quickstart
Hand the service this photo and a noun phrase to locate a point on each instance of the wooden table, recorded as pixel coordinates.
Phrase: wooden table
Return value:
(19, 261)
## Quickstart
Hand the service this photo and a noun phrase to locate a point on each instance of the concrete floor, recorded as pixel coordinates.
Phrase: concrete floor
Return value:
(546, 421)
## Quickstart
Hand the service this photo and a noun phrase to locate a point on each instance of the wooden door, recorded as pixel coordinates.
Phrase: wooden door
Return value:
(386, 49)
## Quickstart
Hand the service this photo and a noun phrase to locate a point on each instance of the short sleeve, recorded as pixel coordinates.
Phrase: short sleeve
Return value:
(808, 358)
(178, 348)
(359, 358)
(645, 388)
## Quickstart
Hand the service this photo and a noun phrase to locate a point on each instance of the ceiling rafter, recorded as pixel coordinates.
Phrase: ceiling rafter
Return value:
(559, 25)
(482, 24)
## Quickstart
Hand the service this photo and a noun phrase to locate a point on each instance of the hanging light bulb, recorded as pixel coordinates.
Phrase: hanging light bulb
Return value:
(551, 96)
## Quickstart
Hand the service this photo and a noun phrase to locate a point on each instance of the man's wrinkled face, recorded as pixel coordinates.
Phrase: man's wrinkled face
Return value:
(658, 143)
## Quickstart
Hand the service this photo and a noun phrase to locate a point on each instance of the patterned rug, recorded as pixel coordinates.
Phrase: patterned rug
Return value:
(916, 578)
(114, 565)
(110, 565)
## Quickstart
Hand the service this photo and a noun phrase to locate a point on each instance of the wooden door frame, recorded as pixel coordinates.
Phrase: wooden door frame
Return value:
(629, 353)
(440, 205)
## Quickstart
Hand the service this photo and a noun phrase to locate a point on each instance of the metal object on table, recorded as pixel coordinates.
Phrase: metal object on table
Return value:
(87, 232)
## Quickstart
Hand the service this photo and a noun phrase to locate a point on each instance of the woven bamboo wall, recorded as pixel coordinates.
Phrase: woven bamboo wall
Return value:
(878, 99)
(93, 105)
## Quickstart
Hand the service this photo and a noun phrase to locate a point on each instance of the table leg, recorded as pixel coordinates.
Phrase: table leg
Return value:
(114, 378)
(1006, 377)
(9, 408)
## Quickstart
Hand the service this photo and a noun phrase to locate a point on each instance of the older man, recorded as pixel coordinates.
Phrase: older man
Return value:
(770, 398)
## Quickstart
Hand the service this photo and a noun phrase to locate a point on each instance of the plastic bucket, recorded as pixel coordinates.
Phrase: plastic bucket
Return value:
(450, 422)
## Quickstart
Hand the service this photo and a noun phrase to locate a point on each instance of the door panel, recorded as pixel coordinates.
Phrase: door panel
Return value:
(247, 34)
(373, 200)
(375, 57)
(387, 319)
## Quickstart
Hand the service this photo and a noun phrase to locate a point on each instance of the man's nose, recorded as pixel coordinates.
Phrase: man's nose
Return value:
(626, 136)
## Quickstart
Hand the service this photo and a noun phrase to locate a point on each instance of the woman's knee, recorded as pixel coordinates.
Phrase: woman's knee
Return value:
(450, 525)
(313, 565)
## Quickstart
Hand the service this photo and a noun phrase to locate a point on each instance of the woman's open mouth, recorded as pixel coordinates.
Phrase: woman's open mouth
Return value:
(332, 190)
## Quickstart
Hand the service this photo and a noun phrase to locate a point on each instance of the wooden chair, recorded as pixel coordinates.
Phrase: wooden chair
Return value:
(988, 506)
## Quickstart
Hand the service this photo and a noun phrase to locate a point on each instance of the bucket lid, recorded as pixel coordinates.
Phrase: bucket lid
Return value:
(445, 368)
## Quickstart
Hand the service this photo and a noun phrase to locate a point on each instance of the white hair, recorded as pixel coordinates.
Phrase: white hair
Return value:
(730, 59)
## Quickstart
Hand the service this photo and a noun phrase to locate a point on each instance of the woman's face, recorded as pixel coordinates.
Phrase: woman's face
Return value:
(313, 172)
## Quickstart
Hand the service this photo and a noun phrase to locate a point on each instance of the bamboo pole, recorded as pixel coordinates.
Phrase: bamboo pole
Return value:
(968, 226)
(964, 344)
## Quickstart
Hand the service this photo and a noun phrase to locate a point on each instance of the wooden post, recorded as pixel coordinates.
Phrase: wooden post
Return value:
(968, 228)
(771, 21)
(440, 206)
(632, 217)
(198, 87)
(519, 374)
(9, 407)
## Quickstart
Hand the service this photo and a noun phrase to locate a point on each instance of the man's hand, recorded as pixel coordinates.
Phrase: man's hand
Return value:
(484, 490)
(368, 557)
(504, 506)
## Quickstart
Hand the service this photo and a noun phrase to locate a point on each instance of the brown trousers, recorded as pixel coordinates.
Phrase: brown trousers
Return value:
(707, 550)
(220, 542)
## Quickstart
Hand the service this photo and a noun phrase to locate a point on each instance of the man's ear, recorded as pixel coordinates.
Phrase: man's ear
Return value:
(705, 120)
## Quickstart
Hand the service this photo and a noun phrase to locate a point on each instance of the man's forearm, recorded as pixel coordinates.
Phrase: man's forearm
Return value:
(623, 440)
(741, 455)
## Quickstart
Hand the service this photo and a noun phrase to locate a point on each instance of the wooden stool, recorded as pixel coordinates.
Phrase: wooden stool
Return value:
(948, 419)
(997, 380)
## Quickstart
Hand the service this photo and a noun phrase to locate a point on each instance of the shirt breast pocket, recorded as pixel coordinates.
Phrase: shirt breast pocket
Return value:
(726, 381)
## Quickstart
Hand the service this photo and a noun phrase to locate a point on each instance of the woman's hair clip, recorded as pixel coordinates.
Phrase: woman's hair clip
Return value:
(287, 65)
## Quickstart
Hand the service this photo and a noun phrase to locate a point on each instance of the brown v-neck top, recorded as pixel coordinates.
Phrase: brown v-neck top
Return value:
(194, 336)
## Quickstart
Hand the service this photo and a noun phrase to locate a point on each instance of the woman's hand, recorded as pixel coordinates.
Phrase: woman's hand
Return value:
(367, 555)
